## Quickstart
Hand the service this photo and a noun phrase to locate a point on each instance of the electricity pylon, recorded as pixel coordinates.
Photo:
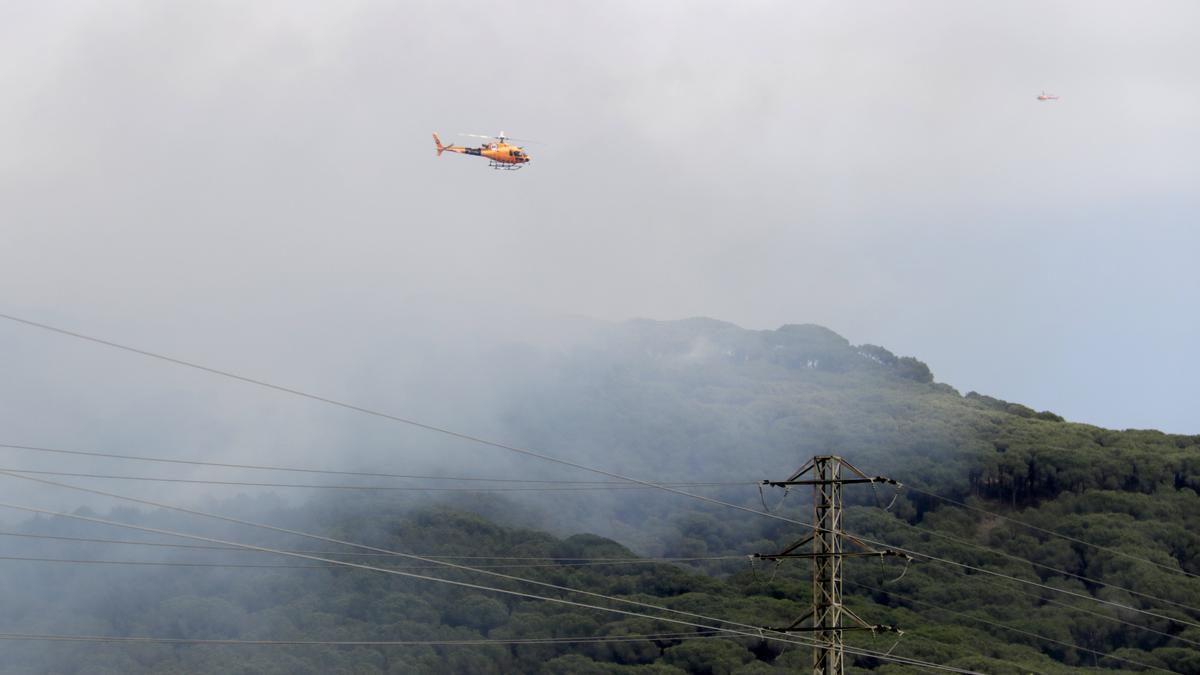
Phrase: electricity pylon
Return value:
(824, 474)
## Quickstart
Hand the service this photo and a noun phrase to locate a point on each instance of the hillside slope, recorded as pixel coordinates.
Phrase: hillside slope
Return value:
(705, 400)
(699, 398)
(1115, 516)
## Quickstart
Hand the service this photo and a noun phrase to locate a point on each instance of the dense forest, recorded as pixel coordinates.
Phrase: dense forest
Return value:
(1109, 518)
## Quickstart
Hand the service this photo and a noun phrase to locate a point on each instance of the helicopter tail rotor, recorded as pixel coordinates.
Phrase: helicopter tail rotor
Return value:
(438, 142)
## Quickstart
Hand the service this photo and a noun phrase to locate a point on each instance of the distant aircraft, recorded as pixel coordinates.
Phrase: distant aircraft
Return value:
(1046, 97)
(498, 150)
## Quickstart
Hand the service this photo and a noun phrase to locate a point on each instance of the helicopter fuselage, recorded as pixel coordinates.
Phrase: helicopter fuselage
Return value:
(499, 153)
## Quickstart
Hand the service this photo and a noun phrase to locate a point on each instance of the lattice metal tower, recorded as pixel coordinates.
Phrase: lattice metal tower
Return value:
(824, 474)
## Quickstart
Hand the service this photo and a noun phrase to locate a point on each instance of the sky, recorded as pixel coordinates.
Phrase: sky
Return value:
(255, 184)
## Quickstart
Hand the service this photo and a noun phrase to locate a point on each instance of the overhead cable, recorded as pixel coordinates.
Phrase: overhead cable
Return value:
(1053, 533)
(366, 474)
(94, 540)
(388, 416)
(1008, 628)
(1001, 575)
(753, 632)
(428, 427)
(184, 563)
(331, 540)
(138, 639)
(1094, 613)
(397, 488)
(1048, 568)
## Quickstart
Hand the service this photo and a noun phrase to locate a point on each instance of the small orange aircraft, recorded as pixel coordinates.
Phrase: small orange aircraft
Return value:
(500, 154)
(1046, 97)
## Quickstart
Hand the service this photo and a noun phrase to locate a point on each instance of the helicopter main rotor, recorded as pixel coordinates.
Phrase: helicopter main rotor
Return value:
(502, 138)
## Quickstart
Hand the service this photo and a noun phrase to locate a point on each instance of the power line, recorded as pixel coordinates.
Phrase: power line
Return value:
(1096, 614)
(400, 488)
(94, 540)
(610, 486)
(1027, 582)
(363, 566)
(386, 570)
(909, 635)
(364, 643)
(412, 422)
(1053, 533)
(391, 417)
(619, 638)
(576, 485)
(1014, 557)
(995, 551)
(384, 416)
(1008, 628)
(180, 563)
(577, 562)
(368, 474)
(170, 563)
(406, 421)
(783, 518)
(394, 418)
(331, 540)
(757, 629)
(754, 632)
(771, 515)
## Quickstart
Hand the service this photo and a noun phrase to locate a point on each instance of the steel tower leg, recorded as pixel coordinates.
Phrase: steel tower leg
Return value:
(827, 566)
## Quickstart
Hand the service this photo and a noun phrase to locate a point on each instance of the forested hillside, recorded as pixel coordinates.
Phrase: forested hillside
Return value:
(1036, 544)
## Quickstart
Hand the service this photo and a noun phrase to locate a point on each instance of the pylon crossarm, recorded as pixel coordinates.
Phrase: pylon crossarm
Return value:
(873, 479)
(787, 551)
(794, 479)
(859, 543)
(842, 554)
(867, 550)
(794, 625)
(858, 619)
(877, 628)
(840, 481)
(813, 629)
(787, 483)
(808, 466)
(852, 469)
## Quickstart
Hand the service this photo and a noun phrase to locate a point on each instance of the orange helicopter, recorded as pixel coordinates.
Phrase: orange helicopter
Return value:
(500, 153)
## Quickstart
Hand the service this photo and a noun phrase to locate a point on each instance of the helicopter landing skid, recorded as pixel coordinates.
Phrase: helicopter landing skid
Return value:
(504, 166)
